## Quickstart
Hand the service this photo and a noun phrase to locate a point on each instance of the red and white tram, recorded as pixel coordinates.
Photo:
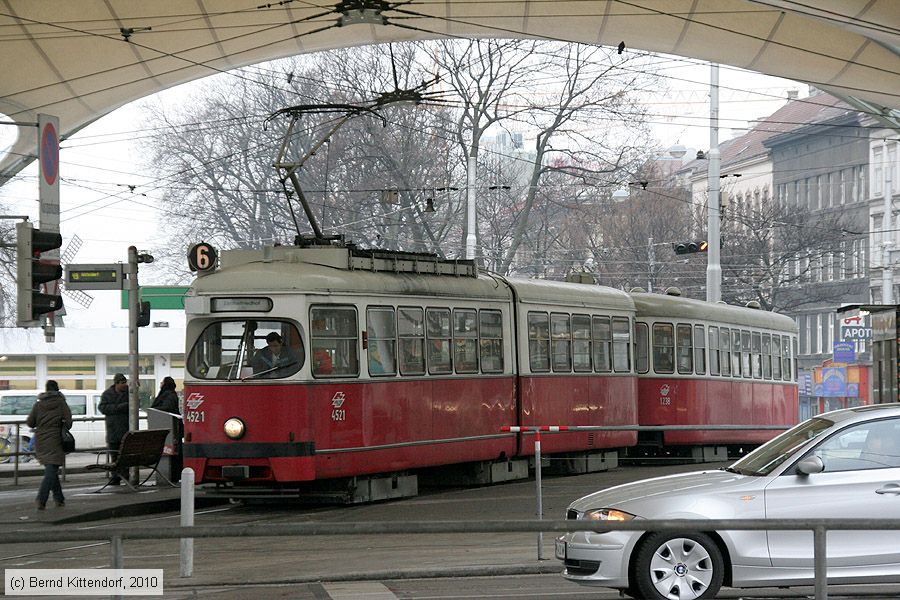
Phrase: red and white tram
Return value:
(338, 365)
(392, 362)
(714, 364)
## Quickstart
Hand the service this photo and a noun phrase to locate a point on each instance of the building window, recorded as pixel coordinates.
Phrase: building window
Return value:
(18, 373)
(877, 172)
(76, 372)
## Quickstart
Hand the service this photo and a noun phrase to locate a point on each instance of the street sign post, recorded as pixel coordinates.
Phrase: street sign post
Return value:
(94, 277)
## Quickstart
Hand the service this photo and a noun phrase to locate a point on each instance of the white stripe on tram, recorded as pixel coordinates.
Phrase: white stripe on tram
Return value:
(358, 591)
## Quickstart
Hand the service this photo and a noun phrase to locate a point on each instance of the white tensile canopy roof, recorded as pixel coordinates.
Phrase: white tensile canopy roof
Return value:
(80, 59)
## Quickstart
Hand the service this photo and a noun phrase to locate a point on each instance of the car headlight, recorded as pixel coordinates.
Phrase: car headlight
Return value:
(607, 514)
(234, 428)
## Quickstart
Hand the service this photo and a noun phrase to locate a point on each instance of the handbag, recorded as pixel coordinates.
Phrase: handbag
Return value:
(68, 441)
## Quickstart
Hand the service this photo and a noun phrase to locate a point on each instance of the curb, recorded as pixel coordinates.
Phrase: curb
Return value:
(475, 571)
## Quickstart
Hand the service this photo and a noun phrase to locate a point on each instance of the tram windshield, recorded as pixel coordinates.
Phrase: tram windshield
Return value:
(247, 349)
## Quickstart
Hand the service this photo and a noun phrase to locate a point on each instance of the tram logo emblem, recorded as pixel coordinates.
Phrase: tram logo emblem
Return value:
(194, 401)
(338, 400)
(664, 390)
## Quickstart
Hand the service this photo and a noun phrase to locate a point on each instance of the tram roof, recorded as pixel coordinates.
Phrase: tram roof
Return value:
(541, 291)
(288, 269)
(677, 307)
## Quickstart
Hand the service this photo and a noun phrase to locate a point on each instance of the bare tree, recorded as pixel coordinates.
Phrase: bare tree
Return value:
(772, 253)
(580, 89)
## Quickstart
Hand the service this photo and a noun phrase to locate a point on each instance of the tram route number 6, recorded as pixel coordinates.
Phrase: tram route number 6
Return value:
(202, 257)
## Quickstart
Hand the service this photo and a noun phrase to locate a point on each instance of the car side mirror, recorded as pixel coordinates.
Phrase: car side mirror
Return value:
(810, 465)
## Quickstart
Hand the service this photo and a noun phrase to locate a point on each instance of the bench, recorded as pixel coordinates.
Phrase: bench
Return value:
(142, 448)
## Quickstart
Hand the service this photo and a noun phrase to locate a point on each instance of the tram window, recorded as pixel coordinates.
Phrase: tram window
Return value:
(756, 355)
(437, 322)
(663, 348)
(602, 344)
(581, 342)
(411, 329)
(561, 342)
(699, 350)
(490, 328)
(621, 344)
(776, 357)
(539, 341)
(767, 356)
(714, 351)
(725, 351)
(685, 348)
(746, 353)
(381, 333)
(465, 340)
(226, 350)
(641, 348)
(334, 339)
(736, 352)
(786, 358)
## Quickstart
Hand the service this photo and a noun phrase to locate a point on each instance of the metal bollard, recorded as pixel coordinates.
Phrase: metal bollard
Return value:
(187, 520)
(117, 550)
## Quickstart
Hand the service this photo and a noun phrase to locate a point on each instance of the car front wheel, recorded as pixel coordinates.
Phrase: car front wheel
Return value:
(678, 566)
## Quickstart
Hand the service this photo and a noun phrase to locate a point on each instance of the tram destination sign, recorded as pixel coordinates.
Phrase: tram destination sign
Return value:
(94, 277)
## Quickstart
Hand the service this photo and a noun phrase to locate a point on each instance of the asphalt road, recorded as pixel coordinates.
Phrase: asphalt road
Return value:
(314, 567)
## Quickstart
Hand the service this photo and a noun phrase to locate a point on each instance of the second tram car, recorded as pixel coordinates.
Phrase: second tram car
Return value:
(331, 364)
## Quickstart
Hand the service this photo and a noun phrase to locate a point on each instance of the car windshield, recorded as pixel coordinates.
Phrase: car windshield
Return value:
(767, 457)
(245, 350)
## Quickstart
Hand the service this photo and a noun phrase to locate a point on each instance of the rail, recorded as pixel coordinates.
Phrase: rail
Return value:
(117, 535)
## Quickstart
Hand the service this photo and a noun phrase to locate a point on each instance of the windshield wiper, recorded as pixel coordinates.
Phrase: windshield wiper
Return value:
(731, 470)
(255, 375)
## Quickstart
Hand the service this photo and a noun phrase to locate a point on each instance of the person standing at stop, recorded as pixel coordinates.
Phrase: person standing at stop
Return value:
(114, 404)
(50, 416)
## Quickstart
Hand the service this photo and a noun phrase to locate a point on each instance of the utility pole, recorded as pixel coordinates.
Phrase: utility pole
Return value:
(470, 202)
(887, 268)
(713, 266)
(652, 258)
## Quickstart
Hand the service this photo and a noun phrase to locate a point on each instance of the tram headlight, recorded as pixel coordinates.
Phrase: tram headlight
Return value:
(234, 428)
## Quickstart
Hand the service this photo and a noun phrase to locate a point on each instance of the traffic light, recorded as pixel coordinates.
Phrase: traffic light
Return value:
(31, 273)
(144, 315)
(691, 247)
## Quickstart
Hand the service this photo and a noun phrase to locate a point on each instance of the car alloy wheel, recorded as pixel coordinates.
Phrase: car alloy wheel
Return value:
(678, 566)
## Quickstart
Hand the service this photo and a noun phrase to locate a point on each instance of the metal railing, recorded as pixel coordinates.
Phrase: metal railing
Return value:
(15, 439)
(117, 535)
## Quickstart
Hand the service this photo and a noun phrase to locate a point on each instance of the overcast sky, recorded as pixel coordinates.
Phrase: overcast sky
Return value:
(100, 163)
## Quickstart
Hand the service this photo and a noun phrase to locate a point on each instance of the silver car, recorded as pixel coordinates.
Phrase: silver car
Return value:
(837, 465)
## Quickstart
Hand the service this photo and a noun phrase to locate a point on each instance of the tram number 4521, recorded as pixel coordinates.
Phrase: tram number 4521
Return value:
(195, 416)
(339, 414)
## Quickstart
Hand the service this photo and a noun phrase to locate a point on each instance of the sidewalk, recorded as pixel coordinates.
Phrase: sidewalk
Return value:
(83, 501)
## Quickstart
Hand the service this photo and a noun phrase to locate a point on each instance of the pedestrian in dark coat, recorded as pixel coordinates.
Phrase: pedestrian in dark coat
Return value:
(114, 404)
(49, 416)
(167, 399)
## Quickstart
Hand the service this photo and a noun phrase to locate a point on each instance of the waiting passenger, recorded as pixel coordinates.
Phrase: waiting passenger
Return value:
(322, 364)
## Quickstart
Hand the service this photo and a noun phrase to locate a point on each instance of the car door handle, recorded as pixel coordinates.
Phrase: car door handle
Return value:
(890, 488)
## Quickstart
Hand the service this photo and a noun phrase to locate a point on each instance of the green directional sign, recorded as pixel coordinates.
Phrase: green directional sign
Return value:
(163, 297)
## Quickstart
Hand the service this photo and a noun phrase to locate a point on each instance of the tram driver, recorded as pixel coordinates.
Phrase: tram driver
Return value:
(276, 359)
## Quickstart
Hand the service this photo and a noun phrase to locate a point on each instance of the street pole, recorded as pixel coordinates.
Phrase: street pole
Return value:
(470, 205)
(713, 267)
(652, 257)
(887, 269)
(131, 272)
